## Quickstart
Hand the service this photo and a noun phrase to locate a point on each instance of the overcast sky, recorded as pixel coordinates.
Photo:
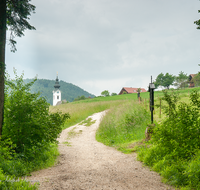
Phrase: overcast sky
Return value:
(108, 44)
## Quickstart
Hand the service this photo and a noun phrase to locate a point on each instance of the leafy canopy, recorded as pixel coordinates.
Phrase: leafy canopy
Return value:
(164, 80)
(17, 13)
(105, 93)
(181, 80)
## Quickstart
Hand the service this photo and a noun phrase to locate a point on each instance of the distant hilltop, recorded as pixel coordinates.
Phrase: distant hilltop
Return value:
(69, 91)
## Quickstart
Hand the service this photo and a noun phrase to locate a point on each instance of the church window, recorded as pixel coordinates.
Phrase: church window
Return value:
(57, 97)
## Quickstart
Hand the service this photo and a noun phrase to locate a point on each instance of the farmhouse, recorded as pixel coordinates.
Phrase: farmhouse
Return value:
(130, 90)
(191, 81)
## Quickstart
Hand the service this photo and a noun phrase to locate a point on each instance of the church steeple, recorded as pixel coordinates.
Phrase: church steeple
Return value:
(57, 86)
(56, 92)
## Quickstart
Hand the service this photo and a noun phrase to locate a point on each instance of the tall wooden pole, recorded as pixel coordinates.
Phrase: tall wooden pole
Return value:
(2, 58)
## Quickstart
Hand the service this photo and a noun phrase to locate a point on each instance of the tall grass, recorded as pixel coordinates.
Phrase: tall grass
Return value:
(123, 125)
(79, 111)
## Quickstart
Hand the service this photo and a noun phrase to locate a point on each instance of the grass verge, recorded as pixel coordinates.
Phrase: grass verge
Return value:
(123, 125)
(13, 166)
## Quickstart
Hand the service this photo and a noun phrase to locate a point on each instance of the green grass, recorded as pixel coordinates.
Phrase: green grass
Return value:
(17, 166)
(123, 125)
(67, 143)
(72, 133)
(80, 110)
(88, 122)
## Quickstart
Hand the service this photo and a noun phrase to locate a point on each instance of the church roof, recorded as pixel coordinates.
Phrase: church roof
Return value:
(57, 85)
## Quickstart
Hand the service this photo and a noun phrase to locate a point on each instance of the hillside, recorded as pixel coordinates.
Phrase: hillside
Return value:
(69, 91)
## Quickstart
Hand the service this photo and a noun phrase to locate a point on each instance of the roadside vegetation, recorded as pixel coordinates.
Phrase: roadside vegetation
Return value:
(29, 134)
(174, 149)
(123, 125)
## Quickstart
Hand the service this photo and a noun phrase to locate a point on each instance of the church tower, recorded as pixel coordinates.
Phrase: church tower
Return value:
(56, 92)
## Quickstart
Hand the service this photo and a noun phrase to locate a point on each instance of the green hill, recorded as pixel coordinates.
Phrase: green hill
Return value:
(69, 91)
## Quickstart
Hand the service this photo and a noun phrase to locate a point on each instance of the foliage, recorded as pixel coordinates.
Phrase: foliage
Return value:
(181, 80)
(10, 166)
(13, 184)
(105, 93)
(175, 144)
(28, 122)
(80, 98)
(18, 13)
(123, 124)
(69, 91)
(164, 80)
(113, 94)
(28, 133)
(197, 22)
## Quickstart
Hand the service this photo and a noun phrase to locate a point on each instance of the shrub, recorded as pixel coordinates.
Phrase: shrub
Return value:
(179, 132)
(174, 148)
(27, 121)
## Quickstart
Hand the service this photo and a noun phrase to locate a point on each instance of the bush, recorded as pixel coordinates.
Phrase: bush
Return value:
(174, 148)
(27, 121)
(179, 132)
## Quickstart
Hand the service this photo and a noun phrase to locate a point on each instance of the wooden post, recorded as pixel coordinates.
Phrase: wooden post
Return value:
(160, 107)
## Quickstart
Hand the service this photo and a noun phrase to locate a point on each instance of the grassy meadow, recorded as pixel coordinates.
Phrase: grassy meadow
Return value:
(80, 110)
(124, 127)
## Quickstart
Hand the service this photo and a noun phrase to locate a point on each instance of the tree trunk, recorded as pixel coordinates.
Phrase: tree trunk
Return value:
(2, 58)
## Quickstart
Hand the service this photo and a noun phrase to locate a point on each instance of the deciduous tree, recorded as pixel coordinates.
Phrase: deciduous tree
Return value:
(14, 15)
(164, 80)
(181, 80)
(105, 93)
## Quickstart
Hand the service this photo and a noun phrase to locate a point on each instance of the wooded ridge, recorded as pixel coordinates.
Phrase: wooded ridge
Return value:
(69, 91)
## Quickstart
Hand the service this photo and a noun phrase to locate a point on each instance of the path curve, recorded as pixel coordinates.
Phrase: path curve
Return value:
(85, 164)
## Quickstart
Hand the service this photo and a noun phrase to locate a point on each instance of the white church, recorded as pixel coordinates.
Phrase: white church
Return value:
(56, 93)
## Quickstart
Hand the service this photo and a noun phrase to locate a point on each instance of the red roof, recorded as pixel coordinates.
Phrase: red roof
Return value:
(193, 75)
(131, 90)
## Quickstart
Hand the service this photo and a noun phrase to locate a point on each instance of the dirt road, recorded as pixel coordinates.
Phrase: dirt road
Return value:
(87, 164)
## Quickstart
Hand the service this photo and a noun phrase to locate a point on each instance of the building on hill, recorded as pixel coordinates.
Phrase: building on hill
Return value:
(56, 93)
(191, 81)
(130, 90)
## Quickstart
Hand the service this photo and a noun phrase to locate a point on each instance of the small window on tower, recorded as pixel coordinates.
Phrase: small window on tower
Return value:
(57, 91)
(57, 97)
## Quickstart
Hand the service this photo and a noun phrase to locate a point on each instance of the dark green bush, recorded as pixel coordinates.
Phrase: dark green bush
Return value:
(29, 134)
(180, 131)
(27, 121)
(174, 148)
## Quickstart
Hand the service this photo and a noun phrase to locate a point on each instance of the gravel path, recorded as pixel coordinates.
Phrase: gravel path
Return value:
(85, 163)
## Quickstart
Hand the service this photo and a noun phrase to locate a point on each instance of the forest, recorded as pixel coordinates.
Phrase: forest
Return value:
(69, 91)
